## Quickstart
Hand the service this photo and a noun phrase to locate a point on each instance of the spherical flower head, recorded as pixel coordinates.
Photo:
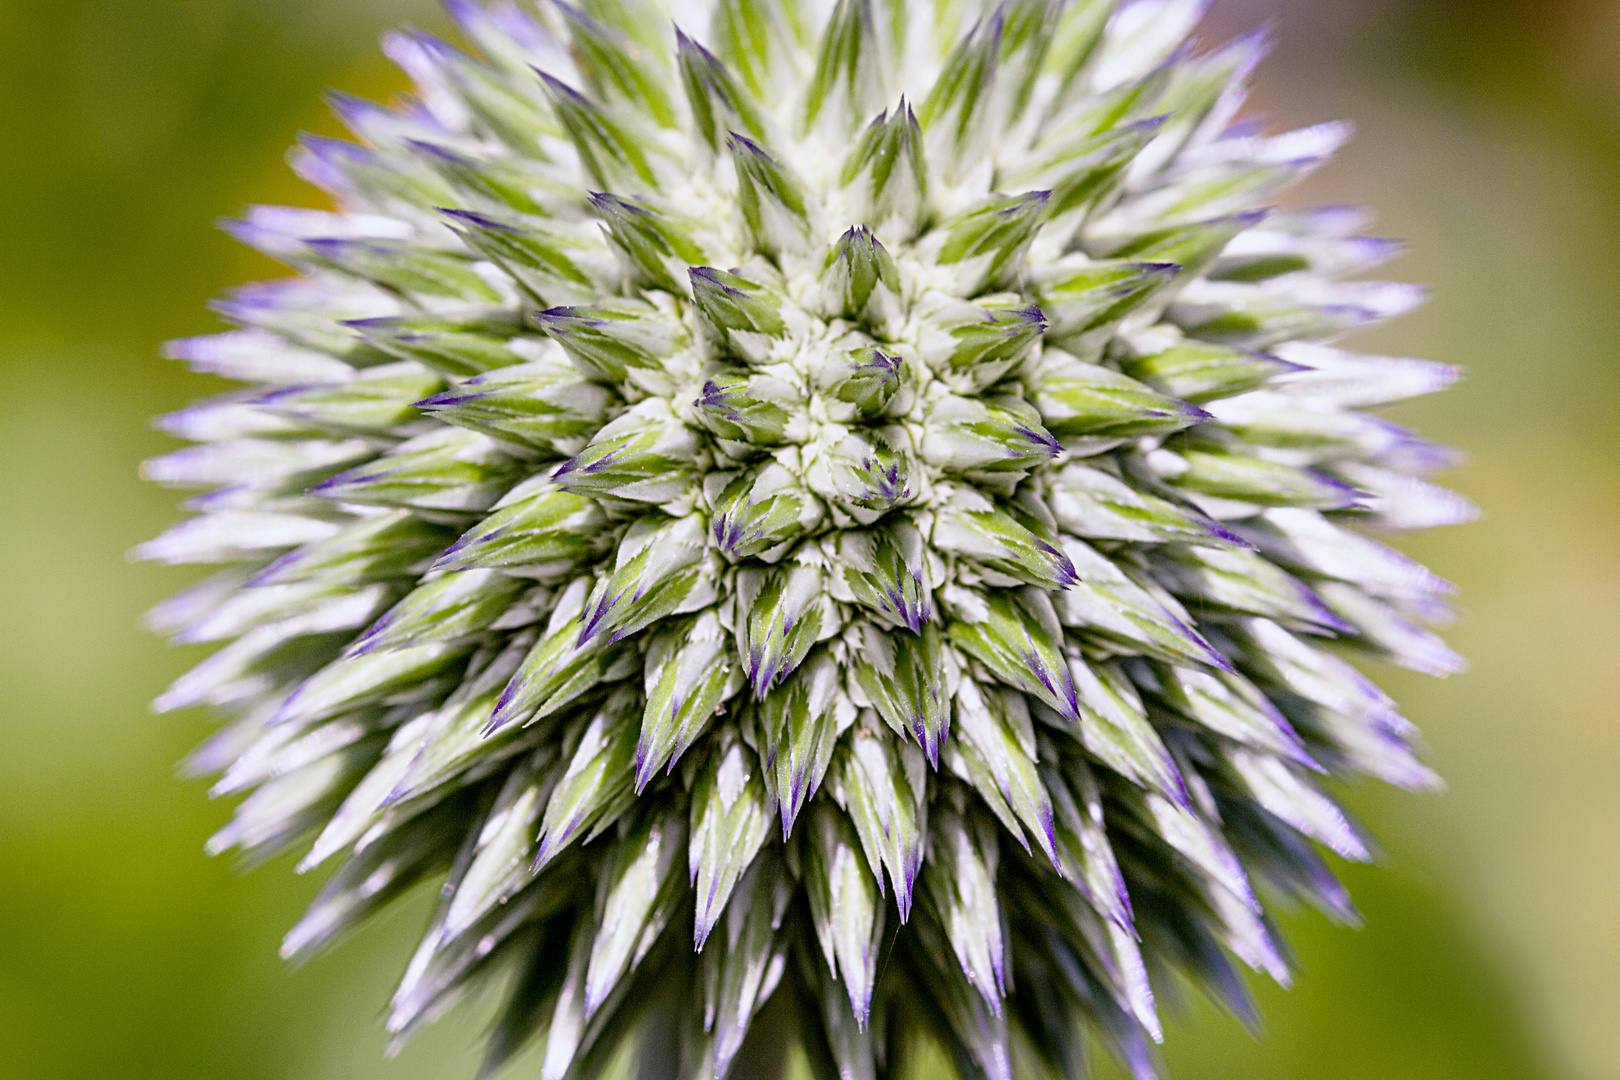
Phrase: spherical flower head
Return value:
(843, 508)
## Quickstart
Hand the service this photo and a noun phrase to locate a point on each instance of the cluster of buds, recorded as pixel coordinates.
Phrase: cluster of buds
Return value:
(847, 512)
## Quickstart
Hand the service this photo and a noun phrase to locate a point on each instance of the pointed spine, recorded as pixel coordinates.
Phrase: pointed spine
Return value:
(887, 171)
(611, 155)
(770, 199)
(655, 246)
(719, 105)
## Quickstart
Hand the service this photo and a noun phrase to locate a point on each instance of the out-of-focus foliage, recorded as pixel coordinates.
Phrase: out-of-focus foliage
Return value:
(1491, 946)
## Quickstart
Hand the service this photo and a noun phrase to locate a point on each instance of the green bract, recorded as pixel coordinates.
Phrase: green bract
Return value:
(846, 510)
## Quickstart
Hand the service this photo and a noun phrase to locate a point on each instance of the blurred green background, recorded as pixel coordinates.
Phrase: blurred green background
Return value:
(1489, 137)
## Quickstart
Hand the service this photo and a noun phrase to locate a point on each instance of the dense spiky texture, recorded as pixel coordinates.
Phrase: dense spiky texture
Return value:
(849, 505)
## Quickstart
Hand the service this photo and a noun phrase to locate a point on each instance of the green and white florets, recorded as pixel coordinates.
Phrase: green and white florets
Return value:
(722, 468)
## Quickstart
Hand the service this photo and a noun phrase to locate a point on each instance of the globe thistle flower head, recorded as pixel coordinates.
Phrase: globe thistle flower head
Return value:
(846, 511)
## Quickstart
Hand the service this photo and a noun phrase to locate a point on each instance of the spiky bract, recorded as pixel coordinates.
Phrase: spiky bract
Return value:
(858, 492)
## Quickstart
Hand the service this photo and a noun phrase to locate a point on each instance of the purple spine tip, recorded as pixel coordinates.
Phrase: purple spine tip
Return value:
(594, 619)
(737, 142)
(482, 221)
(903, 886)
(269, 573)
(557, 86)
(503, 705)
(543, 856)
(1049, 834)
